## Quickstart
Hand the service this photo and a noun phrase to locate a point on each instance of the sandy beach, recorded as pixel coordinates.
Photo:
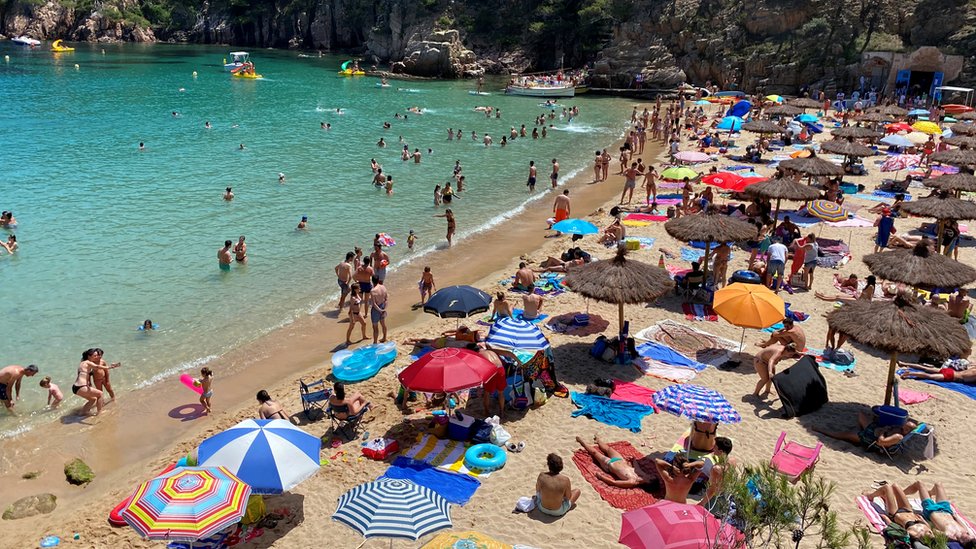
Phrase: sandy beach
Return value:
(145, 430)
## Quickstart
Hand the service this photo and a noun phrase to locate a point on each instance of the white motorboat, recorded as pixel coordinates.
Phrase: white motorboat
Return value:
(26, 41)
(237, 60)
(541, 90)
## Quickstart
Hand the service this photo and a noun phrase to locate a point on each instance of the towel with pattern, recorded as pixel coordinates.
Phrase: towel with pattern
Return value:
(619, 413)
(690, 342)
(626, 499)
(661, 370)
(443, 454)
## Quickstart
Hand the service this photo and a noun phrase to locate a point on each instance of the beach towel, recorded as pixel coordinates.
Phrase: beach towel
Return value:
(546, 284)
(518, 315)
(854, 222)
(799, 220)
(645, 242)
(890, 195)
(874, 510)
(691, 254)
(619, 413)
(631, 392)
(668, 201)
(817, 354)
(690, 342)
(455, 488)
(660, 370)
(908, 396)
(643, 218)
(564, 324)
(698, 311)
(665, 354)
(626, 499)
(443, 454)
(676, 270)
(961, 388)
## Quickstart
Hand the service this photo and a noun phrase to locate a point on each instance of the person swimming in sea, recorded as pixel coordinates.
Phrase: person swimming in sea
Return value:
(228, 194)
(303, 224)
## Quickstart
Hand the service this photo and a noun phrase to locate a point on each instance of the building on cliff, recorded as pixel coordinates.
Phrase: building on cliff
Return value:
(922, 71)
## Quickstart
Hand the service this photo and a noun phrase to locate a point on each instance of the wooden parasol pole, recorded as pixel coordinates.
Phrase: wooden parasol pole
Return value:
(620, 316)
(708, 244)
(891, 378)
(776, 215)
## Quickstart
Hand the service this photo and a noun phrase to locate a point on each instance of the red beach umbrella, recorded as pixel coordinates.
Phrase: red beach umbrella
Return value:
(447, 370)
(899, 127)
(670, 525)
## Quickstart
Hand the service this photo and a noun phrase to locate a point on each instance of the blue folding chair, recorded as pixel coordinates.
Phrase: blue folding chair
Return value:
(313, 395)
(923, 430)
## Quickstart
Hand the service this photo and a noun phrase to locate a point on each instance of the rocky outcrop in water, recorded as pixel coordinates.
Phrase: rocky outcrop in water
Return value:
(437, 53)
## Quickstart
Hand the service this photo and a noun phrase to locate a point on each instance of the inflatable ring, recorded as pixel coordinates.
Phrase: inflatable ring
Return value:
(485, 457)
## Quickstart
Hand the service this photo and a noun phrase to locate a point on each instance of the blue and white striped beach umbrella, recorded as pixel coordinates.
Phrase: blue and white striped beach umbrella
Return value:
(393, 508)
(696, 403)
(270, 455)
(512, 333)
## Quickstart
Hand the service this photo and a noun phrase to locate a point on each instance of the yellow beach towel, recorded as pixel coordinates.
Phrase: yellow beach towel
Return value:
(443, 454)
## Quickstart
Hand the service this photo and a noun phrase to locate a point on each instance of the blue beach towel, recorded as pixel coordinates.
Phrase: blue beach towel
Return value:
(423, 351)
(454, 487)
(821, 361)
(517, 314)
(799, 220)
(667, 355)
(694, 254)
(962, 388)
(889, 195)
(619, 413)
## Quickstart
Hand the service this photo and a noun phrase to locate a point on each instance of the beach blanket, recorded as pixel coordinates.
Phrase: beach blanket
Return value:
(690, 342)
(632, 392)
(564, 324)
(854, 222)
(699, 311)
(642, 219)
(546, 284)
(691, 254)
(874, 509)
(961, 388)
(518, 314)
(455, 488)
(799, 220)
(626, 499)
(665, 354)
(443, 454)
(908, 396)
(668, 201)
(619, 413)
(890, 195)
(661, 370)
(821, 361)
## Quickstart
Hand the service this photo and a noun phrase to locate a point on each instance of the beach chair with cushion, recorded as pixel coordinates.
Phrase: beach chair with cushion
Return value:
(348, 426)
(793, 459)
(923, 430)
(313, 395)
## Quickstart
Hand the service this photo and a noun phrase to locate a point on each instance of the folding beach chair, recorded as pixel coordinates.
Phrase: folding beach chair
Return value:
(793, 459)
(313, 395)
(348, 426)
(923, 430)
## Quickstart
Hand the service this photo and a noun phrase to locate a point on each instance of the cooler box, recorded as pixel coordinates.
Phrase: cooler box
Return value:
(381, 448)
(460, 429)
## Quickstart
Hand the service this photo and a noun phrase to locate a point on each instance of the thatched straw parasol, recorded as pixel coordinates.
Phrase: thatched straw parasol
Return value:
(971, 115)
(710, 226)
(900, 326)
(856, 132)
(876, 117)
(952, 182)
(967, 141)
(955, 157)
(763, 126)
(812, 166)
(963, 129)
(784, 188)
(783, 110)
(846, 147)
(805, 103)
(941, 208)
(619, 280)
(918, 267)
(890, 110)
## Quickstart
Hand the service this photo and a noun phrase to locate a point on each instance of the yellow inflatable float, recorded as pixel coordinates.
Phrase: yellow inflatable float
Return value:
(350, 72)
(246, 71)
(57, 47)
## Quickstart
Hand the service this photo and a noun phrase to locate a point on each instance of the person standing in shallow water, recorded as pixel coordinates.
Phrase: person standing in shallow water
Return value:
(240, 251)
(224, 256)
(451, 224)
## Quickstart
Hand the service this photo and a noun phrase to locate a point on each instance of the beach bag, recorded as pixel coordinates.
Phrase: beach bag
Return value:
(482, 432)
(539, 395)
(839, 356)
(801, 387)
(600, 345)
(255, 510)
(499, 436)
(381, 448)
(521, 393)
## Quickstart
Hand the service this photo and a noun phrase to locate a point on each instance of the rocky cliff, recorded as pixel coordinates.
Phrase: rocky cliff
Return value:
(776, 45)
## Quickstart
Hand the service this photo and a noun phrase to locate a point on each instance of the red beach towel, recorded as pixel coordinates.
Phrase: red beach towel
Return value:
(645, 217)
(627, 499)
(631, 392)
(697, 311)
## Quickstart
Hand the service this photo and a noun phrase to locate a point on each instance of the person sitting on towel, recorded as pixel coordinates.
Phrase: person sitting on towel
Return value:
(554, 492)
(899, 510)
(619, 470)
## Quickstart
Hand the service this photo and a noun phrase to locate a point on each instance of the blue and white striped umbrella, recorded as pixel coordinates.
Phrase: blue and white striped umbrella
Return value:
(393, 508)
(696, 403)
(270, 455)
(512, 333)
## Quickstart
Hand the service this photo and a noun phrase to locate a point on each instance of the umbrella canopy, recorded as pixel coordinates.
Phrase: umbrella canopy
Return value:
(875, 117)
(678, 173)
(930, 128)
(918, 112)
(513, 333)
(812, 165)
(808, 118)
(457, 302)
(749, 305)
(187, 504)
(846, 147)
(784, 188)
(393, 508)
(619, 280)
(709, 226)
(890, 110)
(952, 182)
(671, 525)
(730, 123)
(856, 132)
(805, 103)
(447, 370)
(896, 140)
(575, 226)
(949, 207)
(898, 127)
(917, 267)
(271, 455)
(783, 110)
(900, 162)
(955, 157)
(827, 210)
(696, 403)
(900, 326)
(763, 126)
(917, 138)
(774, 98)
(692, 157)
(730, 181)
(963, 129)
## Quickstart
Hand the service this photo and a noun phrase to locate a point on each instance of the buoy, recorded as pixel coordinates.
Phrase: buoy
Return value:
(6, 58)
(77, 66)
(194, 74)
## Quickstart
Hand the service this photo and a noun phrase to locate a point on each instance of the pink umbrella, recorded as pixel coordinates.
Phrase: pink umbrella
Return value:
(691, 157)
(900, 162)
(670, 525)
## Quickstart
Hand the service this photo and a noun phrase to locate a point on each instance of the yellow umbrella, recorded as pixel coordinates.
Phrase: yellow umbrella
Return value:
(450, 540)
(749, 306)
(930, 128)
(774, 98)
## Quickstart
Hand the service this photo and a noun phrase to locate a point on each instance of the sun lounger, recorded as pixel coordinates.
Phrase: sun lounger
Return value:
(793, 459)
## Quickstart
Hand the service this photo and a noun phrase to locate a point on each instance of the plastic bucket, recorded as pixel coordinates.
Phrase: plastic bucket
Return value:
(890, 416)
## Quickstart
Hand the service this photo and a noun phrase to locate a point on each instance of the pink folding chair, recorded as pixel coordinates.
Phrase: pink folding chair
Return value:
(793, 459)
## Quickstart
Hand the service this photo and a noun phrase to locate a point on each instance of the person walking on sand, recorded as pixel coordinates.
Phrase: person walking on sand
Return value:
(650, 184)
(532, 173)
(206, 383)
(378, 303)
(10, 378)
(224, 256)
(426, 285)
(451, 224)
(630, 183)
(561, 207)
(343, 273)
(554, 492)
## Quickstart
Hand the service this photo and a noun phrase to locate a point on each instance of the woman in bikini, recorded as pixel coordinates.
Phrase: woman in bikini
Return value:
(344, 406)
(702, 438)
(355, 314)
(451, 223)
(240, 251)
(899, 510)
(270, 409)
(82, 385)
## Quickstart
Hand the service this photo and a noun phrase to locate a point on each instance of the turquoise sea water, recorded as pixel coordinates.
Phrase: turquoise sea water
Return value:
(111, 235)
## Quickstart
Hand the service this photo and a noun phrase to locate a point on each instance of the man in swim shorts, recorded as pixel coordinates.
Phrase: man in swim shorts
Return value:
(561, 206)
(554, 492)
(380, 261)
(343, 273)
(524, 278)
(630, 184)
(378, 303)
(224, 257)
(10, 378)
(364, 276)
(554, 175)
(935, 373)
(939, 512)
(532, 173)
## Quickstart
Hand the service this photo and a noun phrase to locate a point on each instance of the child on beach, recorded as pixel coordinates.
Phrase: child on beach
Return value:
(411, 238)
(206, 383)
(54, 394)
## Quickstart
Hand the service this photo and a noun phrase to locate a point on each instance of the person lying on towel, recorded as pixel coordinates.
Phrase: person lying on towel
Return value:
(618, 470)
(948, 372)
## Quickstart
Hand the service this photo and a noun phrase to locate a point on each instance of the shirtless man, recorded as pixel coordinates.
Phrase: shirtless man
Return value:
(343, 273)
(935, 373)
(554, 493)
(619, 471)
(532, 173)
(958, 304)
(378, 304)
(416, 156)
(678, 477)
(554, 174)
(364, 277)
(379, 179)
(10, 378)
(380, 261)
(531, 305)
(228, 194)
(561, 207)
(789, 333)
(427, 285)
(224, 256)
(630, 184)
(524, 278)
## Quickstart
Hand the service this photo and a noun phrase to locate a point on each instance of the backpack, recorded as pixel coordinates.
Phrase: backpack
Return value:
(521, 394)
(600, 345)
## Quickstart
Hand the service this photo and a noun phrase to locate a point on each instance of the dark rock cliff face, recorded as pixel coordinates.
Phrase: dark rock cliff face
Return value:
(777, 45)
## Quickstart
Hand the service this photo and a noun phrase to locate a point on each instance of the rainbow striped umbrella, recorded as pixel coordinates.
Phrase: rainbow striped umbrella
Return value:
(187, 503)
(827, 210)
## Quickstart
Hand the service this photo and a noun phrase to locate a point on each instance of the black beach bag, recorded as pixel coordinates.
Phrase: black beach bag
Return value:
(801, 387)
